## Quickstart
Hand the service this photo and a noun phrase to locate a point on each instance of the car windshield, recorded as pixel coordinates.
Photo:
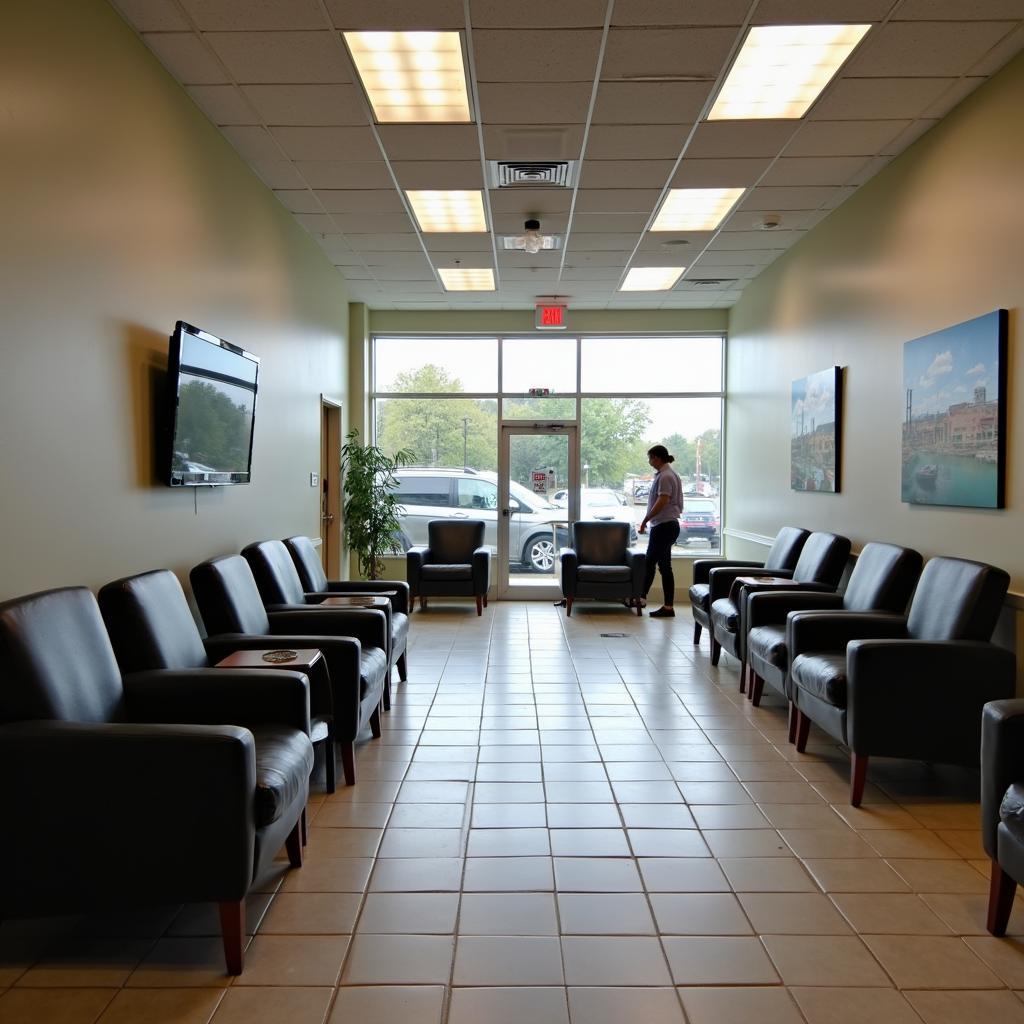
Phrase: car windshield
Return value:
(696, 505)
(602, 499)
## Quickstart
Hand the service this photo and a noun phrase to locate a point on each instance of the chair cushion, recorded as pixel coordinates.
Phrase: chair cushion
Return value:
(725, 616)
(823, 676)
(1011, 810)
(373, 667)
(700, 595)
(769, 643)
(399, 631)
(455, 571)
(604, 573)
(284, 759)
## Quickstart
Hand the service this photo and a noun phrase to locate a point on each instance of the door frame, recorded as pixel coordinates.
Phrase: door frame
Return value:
(329, 496)
(541, 591)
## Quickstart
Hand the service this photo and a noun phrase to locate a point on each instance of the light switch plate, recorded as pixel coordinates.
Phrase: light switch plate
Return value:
(314, 479)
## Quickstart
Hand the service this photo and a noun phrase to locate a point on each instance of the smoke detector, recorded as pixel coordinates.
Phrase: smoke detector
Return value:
(769, 221)
(531, 240)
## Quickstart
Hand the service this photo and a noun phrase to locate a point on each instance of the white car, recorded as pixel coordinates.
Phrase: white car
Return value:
(601, 503)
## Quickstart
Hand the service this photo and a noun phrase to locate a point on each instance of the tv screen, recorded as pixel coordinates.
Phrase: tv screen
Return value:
(212, 391)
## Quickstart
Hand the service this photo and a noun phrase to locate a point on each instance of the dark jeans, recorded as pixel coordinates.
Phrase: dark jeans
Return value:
(659, 556)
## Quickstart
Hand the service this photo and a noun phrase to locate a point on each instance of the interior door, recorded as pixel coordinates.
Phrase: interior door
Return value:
(536, 463)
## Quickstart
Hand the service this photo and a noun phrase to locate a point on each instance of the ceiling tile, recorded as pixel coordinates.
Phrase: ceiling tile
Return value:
(750, 220)
(393, 259)
(334, 244)
(185, 56)
(439, 174)
(909, 135)
(538, 201)
(512, 258)
(298, 200)
(762, 198)
(529, 142)
(252, 142)
(442, 141)
(869, 170)
(818, 12)
(719, 173)
(813, 170)
(228, 15)
(518, 55)
(355, 200)
(874, 98)
(366, 223)
(356, 144)
(318, 223)
(418, 274)
(597, 275)
(534, 102)
(617, 200)
(223, 104)
(1003, 51)
(470, 241)
(307, 104)
(623, 242)
(635, 142)
(745, 257)
(739, 139)
(958, 91)
(384, 243)
(342, 174)
(684, 244)
(625, 173)
(281, 57)
(585, 223)
(152, 15)
(664, 52)
(957, 10)
(277, 173)
(650, 102)
(581, 259)
(744, 240)
(922, 48)
(844, 138)
(372, 15)
(537, 14)
(672, 12)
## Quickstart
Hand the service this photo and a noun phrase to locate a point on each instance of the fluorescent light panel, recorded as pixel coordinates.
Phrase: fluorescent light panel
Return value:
(412, 76)
(781, 70)
(467, 279)
(695, 209)
(448, 211)
(651, 279)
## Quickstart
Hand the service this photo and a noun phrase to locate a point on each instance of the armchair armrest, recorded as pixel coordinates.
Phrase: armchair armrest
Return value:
(481, 570)
(367, 625)
(399, 600)
(832, 631)
(722, 578)
(702, 567)
(637, 562)
(415, 559)
(168, 811)
(770, 608)
(1002, 761)
(570, 562)
(214, 696)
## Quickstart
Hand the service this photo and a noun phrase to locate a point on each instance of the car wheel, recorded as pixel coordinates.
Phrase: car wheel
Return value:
(539, 553)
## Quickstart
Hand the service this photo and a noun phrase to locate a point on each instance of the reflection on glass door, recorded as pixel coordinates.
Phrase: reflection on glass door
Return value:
(537, 499)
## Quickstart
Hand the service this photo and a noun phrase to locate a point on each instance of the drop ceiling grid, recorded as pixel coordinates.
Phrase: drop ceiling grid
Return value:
(276, 79)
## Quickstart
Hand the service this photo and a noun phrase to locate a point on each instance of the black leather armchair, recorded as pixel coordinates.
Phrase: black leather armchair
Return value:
(128, 792)
(455, 562)
(820, 566)
(704, 591)
(599, 564)
(882, 581)
(913, 687)
(1002, 804)
(235, 619)
(316, 584)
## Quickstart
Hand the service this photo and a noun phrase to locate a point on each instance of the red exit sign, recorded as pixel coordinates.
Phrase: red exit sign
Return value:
(550, 317)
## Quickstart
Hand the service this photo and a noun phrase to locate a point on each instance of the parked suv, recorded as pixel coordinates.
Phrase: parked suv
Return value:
(427, 494)
(699, 519)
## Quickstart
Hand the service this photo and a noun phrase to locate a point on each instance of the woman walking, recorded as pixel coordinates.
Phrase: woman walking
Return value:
(664, 507)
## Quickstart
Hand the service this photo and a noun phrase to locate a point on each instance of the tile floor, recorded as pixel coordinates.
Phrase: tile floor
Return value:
(562, 827)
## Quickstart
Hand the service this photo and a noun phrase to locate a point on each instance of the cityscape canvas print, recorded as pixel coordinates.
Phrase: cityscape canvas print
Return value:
(814, 436)
(954, 426)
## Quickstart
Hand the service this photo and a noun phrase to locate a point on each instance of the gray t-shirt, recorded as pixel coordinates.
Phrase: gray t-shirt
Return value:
(666, 482)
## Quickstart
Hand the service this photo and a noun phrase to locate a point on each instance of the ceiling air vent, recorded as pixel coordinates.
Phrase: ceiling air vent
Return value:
(710, 282)
(532, 173)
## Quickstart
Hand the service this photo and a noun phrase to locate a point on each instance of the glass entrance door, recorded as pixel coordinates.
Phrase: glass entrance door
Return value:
(538, 496)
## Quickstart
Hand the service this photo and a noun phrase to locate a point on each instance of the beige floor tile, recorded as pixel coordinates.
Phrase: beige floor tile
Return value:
(966, 842)
(311, 913)
(913, 843)
(509, 816)
(739, 842)
(839, 792)
(508, 874)
(369, 792)
(589, 842)
(690, 874)
(508, 914)
(714, 960)
(935, 962)
(724, 816)
(767, 874)
(88, 963)
(268, 1005)
(422, 1004)
(595, 874)
(620, 1005)
(939, 875)
(854, 1006)
(508, 1006)
(53, 1006)
(802, 816)
(343, 874)
(162, 1006)
(792, 913)
(399, 960)
(432, 815)
(889, 914)
(409, 913)
(874, 816)
(202, 919)
(857, 875)
(699, 914)
(352, 815)
(508, 842)
(604, 914)
(967, 913)
(613, 961)
(944, 814)
(667, 842)
(1005, 956)
(417, 874)
(826, 843)
(739, 1006)
(714, 793)
(765, 771)
(182, 963)
(507, 960)
(967, 1007)
(585, 815)
(824, 960)
(421, 842)
(306, 960)
(657, 816)
(783, 792)
(331, 843)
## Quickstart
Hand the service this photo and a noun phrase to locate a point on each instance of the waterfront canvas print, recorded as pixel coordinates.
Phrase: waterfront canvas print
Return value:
(954, 425)
(814, 434)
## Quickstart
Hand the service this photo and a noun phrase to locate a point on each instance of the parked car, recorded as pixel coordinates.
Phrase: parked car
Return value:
(699, 519)
(601, 503)
(438, 493)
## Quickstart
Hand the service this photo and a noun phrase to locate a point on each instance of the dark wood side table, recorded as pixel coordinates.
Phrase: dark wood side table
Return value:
(356, 601)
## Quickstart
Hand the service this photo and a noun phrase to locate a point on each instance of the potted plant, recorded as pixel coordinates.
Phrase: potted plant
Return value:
(371, 509)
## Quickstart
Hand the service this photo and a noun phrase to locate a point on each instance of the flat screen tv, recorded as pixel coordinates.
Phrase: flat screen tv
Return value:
(212, 404)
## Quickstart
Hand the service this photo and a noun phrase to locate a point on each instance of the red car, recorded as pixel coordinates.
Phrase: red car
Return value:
(699, 519)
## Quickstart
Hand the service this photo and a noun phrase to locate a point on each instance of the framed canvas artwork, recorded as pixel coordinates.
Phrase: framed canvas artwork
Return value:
(815, 431)
(954, 424)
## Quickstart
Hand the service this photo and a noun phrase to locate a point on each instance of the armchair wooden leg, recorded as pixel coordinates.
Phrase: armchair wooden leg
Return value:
(375, 722)
(743, 678)
(348, 761)
(639, 607)
(330, 768)
(412, 602)
(803, 727)
(756, 688)
(792, 722)
(302, 824)
(423, 603)
(479, 604)
(232, 929)
(485, 599)
(696, 632)
(1000, 900)
(716, 651)
(293, 844)
(386, 699)
(403, 668)
(858, 775)
(568, 607)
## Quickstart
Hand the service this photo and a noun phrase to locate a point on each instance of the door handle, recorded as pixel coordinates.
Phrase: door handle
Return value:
(460, 515)
(329, 518)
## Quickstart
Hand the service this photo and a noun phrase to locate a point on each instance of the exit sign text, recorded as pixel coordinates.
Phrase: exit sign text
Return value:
(550, 317)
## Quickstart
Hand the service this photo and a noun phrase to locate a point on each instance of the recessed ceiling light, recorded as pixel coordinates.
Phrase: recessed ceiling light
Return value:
(448, 211)
(781, 70)
(651, 279)
(412, 76)
(695, 209)
(466, 279)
